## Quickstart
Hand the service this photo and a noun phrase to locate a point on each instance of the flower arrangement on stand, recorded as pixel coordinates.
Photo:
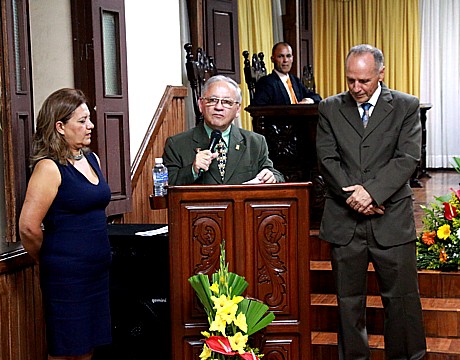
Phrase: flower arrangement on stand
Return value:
(232, 318)
(438, 247)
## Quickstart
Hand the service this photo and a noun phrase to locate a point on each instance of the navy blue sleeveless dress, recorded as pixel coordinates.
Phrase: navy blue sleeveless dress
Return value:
(74, 264)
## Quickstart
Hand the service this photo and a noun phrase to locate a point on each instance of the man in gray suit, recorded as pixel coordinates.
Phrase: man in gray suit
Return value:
(189, 159)
(366, 158)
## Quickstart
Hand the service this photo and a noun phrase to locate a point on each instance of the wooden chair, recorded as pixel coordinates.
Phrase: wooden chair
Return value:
(198, 71)
(253, 71)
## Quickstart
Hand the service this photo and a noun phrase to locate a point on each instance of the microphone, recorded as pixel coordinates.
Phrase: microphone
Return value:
(216, 135)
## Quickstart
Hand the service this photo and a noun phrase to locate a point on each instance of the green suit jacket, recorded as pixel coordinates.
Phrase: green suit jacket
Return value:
(247, 155)
(382, 157)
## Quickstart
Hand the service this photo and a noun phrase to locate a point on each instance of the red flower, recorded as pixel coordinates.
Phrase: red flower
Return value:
(456, 192)
(428, 237)
(249, 356)
(220, 344)
(450, 211)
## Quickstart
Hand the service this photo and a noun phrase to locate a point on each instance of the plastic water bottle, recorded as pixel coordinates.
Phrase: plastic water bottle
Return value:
(160, 178)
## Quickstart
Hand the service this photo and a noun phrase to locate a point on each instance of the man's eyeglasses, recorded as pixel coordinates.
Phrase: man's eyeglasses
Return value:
(226, 103)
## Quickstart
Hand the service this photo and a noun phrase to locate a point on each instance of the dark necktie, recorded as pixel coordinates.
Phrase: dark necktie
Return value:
(365, 117)
(222, 157)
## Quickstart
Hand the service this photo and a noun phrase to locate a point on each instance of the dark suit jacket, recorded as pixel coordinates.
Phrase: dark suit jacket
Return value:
(381, 157)
(247, 155)
(270, 90)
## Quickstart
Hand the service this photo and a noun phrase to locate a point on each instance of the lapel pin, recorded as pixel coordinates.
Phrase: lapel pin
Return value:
(237, 147)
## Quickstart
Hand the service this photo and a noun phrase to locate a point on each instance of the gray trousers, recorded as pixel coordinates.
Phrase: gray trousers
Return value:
(396, 272)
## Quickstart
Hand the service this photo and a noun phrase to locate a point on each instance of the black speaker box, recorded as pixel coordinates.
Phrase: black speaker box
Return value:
(139, 295)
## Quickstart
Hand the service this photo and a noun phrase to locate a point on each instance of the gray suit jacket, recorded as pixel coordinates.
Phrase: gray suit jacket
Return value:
(247, 155)
(381, 157)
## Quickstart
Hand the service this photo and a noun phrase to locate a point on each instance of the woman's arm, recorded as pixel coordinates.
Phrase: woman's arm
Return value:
(41, 191)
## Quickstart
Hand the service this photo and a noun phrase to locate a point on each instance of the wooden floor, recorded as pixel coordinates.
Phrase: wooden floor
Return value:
(440, 292)
(439, 184)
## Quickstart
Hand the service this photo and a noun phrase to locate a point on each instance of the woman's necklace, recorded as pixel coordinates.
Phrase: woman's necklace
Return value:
(77, 157)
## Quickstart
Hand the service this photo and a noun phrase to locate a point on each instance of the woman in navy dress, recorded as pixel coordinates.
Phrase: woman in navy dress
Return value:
(63, 227)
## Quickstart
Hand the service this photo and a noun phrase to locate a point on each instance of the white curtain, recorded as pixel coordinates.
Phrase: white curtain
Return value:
(440, 78)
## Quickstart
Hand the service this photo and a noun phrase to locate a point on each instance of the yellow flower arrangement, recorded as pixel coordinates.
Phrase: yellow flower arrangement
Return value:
(232, 318)
(438, 247)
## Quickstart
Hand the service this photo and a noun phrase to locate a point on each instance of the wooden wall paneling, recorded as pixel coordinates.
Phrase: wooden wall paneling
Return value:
(22, 330)
(306, 34)
(221, 36)
(214, 28)
(266, 231)
(168, 120)
(195, 15)
(297, 28)
(291, 33)
(4, 334)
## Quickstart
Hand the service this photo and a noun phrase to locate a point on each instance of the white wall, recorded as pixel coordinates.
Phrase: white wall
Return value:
(154, 53)
(51, 44)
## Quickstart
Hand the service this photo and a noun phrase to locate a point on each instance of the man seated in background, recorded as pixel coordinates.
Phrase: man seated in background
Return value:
(280, 87)
(240, 155)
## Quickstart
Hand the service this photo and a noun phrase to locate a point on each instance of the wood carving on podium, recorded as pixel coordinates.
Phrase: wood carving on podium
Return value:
(206, 231)
(266, 233)
(271, 233)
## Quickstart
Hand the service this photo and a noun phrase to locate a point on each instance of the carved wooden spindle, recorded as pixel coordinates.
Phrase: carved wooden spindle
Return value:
(263, 69)
(192, 76)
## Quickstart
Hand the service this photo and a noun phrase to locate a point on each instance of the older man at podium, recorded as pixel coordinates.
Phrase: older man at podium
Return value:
(215, 151)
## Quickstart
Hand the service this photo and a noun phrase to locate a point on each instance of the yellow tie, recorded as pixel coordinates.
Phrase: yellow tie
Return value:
(291, 91)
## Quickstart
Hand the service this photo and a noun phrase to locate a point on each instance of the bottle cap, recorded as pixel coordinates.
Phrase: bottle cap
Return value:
(158, 160)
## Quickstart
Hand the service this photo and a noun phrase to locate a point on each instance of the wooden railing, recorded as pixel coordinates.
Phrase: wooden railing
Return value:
(168, 120)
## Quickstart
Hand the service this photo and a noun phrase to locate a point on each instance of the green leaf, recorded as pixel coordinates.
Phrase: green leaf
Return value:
(255, 311)
(444, 198)
(200, 284)
(237, 284)
(456, 164)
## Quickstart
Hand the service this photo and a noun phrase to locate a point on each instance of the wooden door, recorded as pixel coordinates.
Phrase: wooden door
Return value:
(214, 27)
(17, 115)
(101, 72)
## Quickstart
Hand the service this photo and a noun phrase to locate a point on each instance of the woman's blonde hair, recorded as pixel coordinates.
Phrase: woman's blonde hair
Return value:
(47, 141)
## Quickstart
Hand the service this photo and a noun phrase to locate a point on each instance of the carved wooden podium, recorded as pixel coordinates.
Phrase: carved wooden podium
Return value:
(266, 233)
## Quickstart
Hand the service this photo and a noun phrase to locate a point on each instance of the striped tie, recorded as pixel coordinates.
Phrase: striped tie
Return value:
(365, 117)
